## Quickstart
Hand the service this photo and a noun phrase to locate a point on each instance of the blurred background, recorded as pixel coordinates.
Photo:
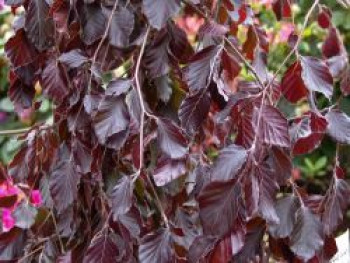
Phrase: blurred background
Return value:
(312, 171)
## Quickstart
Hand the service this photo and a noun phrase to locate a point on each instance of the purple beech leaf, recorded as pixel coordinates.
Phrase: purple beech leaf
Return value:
(316, 76)
(168, 170)
(281, 163)
(12, 245)
(118, 87)
(229, 163)
(273, 128)
(73, 59)
(219, 204)
(213, 29)
(201, 247)
(171, 139)
(159, 11)
(121, 27)
(103, 248)
(194, 110)
(164, 89)
(345, 82)
(156, 58)
(54, 81)
(335, 204)
(157, 246)
(200, 66)
(111, 121)
(252, 246)
(286, 209)
(25, 215)
(179, 46)
(82, 153)
(122, 196)
(64, 180)
(21, 95)
(293, 87)
(307, 235)
(39, 25)
(93, 23)
(19, 50)
(338, 126)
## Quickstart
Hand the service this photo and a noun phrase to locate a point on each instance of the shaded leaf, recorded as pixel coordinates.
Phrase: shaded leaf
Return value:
(54, 81)
(335, 204)
(93, 22)
(108, 130)
(307, 236)
(194, 110)
(229, 163)
(64, 180)
(122, 196)
(273, 128)
(219, 204)
(168, 170)
(201, 247)
(73, 59)
(200, 68)
(316, 76)
(24, 215)
(171, 139)
(159, 11)
(286, 209)
(293, 87)
(39, 25)
(121, 28)
(338, 126)
(157, 247)
(103, 248)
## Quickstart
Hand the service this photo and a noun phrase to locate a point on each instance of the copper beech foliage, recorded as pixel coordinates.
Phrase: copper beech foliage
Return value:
(126, 170)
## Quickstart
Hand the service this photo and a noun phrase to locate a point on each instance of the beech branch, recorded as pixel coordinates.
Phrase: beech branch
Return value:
(144, 113)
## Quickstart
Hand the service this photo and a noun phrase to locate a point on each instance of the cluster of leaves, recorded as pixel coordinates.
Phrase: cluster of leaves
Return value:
(128, 170)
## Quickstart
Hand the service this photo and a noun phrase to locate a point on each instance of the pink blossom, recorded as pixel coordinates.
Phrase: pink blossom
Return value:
(8, 221)
(2, 4)
(35, 198)
(286, 30)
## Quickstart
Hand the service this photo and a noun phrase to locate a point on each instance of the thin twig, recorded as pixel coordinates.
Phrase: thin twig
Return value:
(15, 131)
(30, 254)
(142, 122)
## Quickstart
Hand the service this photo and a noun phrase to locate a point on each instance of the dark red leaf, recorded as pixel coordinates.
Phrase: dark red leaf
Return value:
(171, 139)
(201, 247)
(12, 245)
(21, 95)
(292, 85)
(168, 170)
(54, 81)
(324, 17)
(179, 45)
(229, 163)
(200, 68)
(103, 248)
(121, 28)
(18, 49)
(307, 133)
(158, 11)
(156, 56)
(194, 110)
(157, 247)
(273, 126)
(213, 29)
(219, 204)
(8, 201)
(122, 196)
(94, 23)
(338, 126)
(73, 59)
(110, 132)
(335, 204)
(316, 76)
(39, 25)
(286, 209)
(64, 180)
(307, 235)
(282, 8)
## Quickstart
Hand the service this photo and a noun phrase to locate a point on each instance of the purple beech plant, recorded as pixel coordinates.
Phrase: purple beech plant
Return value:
(127, 172)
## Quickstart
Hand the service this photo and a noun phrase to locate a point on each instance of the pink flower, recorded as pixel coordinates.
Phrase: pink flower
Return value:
(2, 4)
(35, 198)
(286, 30)
(8, 221)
